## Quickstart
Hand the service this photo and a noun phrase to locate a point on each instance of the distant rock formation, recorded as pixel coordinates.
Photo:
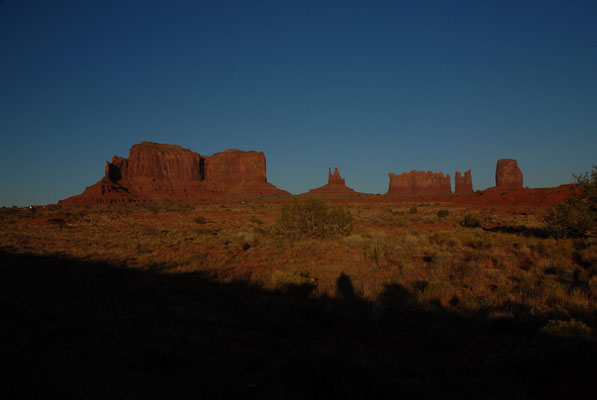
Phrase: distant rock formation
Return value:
(463, 184)
(416, 183)
(335, 185)
(155, 170)
(335, 179)
(507, 175)
(157, 162)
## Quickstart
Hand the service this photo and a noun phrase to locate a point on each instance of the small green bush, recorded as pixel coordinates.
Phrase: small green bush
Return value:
(313, 218)
(443, 213)
(470, 221)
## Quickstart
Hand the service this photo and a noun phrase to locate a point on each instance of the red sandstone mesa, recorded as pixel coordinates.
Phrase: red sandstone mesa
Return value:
(507, 175)
(463, 184)
(415, 183)
(335, 185)
(154, 171)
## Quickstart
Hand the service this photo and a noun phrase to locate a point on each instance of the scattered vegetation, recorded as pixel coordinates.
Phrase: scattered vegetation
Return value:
(172, 287)
(443, 213)
(313, 218)
(471, 221)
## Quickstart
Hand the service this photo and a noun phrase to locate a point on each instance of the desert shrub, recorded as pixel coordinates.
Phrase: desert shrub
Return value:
(445, 238)
(577, 215)
(355, 241)
(200, 220)
(412, 241)
(522, 249)
(279, 279)
(441, 259)
(313, 218)
(443, 213)
(256, 220)
(587, 257)
(441, 291)
(413, 210)
(375, 251)
(198, 259)
(572, 329)
(204, 231)
(529, 287)
(465, 272)
(501, 258)
(246, 238)
(150, 206)
(470, 221)
(468, 302)
(544, 248)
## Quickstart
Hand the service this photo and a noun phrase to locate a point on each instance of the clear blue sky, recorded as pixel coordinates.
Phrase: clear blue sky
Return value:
(369, 87)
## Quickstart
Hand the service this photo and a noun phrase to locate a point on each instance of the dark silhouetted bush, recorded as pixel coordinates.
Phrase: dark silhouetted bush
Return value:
(443, 213)
(577, 216)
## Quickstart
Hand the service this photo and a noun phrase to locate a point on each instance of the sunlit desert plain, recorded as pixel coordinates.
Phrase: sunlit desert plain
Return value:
(216, 297)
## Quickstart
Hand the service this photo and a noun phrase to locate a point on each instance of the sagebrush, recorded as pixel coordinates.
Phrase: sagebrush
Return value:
(313, 218)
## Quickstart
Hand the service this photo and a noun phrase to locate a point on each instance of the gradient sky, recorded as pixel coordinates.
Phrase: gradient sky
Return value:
(368, 87)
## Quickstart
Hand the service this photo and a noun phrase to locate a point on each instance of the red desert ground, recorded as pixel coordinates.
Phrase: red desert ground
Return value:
(179, 275)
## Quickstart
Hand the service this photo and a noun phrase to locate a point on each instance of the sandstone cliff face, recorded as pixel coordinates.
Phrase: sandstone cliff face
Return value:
(335, 185)
(236, 165)
(507, 175)
(155, 170)
(463, 184)
(415, 183)
(162, 161)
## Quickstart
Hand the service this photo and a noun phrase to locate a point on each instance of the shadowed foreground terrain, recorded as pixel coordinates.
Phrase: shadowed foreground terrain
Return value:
(90, 330)
(216, 315)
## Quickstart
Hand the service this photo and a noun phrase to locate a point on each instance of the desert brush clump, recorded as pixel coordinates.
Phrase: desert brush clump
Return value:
(577, 215)
(470, 221)
(200, 220)
(443, 213)
(573, 329)
(437, 291)
(280, 279)
(313, 218)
